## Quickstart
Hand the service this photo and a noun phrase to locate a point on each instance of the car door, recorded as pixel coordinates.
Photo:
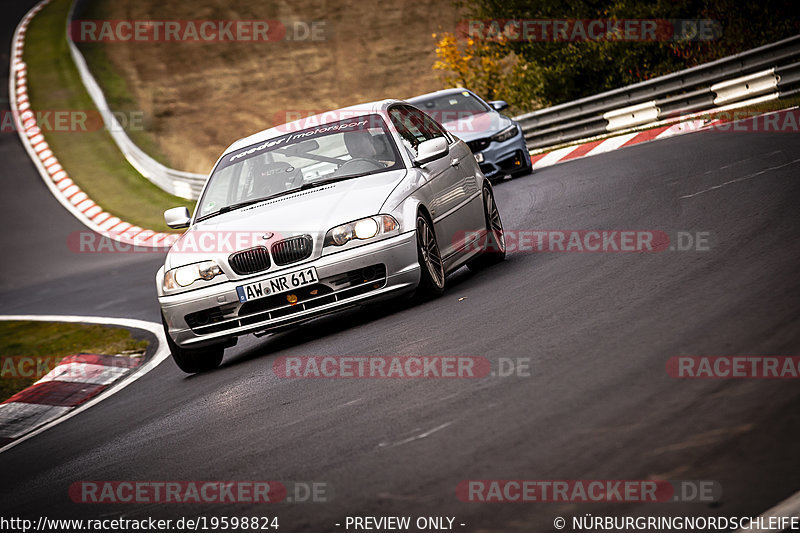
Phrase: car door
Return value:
(466, 217)
(444, 175)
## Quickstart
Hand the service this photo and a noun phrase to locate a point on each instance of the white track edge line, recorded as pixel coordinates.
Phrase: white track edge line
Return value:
(32, 155)
(790, 507)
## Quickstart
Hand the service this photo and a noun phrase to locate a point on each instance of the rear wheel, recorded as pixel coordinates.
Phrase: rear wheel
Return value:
(432, 277)
(193, 361)
(495, 249)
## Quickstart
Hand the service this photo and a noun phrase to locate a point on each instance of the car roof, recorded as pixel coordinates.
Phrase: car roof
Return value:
(319, 119)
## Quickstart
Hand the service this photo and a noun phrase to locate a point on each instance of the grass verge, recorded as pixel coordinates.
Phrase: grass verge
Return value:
(28, 350)
(115, 88)
(91, 158)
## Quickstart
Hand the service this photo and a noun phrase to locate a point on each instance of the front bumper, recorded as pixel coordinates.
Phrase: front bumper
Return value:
(369, 272)
(501, 158)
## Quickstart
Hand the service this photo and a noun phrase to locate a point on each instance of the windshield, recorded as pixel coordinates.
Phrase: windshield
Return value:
(454, 104)
(300, 159)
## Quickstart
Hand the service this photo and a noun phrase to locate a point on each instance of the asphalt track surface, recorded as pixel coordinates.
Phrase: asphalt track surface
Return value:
(597, 328)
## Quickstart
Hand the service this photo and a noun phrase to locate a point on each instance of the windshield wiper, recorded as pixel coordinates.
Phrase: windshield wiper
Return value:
(239, 205)
(318, 183)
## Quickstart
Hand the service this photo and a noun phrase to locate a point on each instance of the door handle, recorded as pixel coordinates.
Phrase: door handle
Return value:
(454, 162)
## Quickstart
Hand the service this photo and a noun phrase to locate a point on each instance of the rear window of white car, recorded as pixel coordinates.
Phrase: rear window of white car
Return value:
(453, 102)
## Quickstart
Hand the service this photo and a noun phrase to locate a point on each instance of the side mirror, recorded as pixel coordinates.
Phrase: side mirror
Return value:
(431, 150)
(177, 217)
(498, 105)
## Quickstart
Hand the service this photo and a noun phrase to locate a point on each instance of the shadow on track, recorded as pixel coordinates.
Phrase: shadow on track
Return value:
(339, 321)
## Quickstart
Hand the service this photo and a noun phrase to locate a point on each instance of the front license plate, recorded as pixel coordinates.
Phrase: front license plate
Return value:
(277, 285)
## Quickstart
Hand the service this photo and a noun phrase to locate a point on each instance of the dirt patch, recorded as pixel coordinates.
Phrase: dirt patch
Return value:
(200, 97)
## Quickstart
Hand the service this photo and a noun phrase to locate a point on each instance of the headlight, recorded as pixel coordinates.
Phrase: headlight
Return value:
(363, 229)
(186, 275)
(505, 135)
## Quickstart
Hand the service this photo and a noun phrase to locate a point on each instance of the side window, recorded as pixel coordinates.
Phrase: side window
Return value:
(431, 127)
(407, 127)
(414, 126)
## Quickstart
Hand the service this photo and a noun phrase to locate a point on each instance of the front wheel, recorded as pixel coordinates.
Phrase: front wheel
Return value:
(494, 240)
(432, 277)
(193, 361)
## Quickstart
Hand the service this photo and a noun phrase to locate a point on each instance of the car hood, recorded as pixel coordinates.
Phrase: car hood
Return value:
(310, 212)
(471, 127)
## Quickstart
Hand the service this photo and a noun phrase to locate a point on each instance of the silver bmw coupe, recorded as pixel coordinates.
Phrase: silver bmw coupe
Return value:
(328, 212)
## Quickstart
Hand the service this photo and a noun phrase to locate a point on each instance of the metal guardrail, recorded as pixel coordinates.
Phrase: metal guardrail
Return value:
(177, 182)
(769, 69)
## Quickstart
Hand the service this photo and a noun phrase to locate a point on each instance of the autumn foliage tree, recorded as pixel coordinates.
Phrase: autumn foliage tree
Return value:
(478, 65)
(532, 73)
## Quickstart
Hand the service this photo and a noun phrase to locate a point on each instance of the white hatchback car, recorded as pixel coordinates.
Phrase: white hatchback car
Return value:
(321, 214)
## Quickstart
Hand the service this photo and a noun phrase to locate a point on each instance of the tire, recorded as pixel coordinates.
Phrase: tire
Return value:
(193, 361)
(432, 276)
(495, 245)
